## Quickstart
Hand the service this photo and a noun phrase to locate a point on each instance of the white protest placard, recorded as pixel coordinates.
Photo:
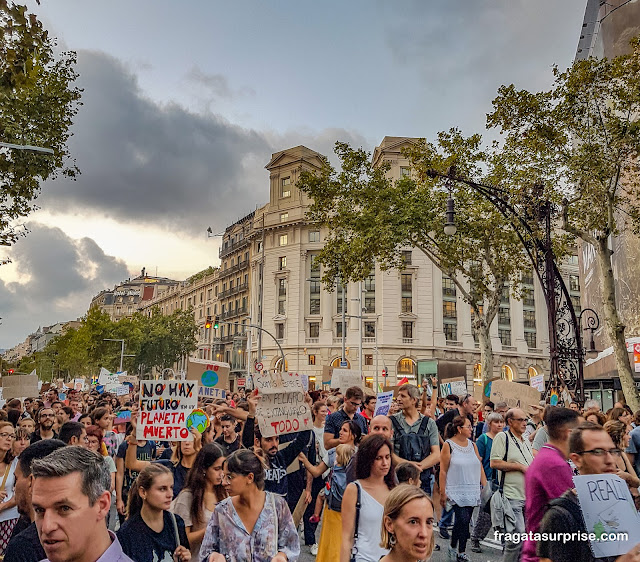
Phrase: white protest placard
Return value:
(305, 382)
(122, 390)
(281, 408)
(78, 384)
(537, 382)
(383, 403)
(457, 387)
(607, 507)
(106, 378)
(515, 394)
(164, 409)
(345, 378)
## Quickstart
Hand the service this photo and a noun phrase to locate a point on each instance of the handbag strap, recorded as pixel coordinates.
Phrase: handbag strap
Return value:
(175, 528)
(354, 548)
(504, 459)
(4, 478)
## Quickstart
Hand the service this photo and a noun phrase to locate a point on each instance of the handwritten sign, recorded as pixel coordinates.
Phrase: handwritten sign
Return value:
(123, 390)
(105, 378)
(457, 387)
(78, 384)
(383, 403)
(131, 380)
(607, 507)
(207, 392)
(345, 378)
(19, 386)
(516, 395)
(210, 374)
(537, 382)
(164, 408)
(281, 408)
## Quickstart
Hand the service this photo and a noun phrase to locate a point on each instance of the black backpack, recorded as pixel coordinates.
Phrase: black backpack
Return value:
(414, 446)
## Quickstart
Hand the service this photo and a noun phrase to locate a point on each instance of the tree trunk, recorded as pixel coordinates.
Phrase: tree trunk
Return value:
(486, 352)
(615, 328)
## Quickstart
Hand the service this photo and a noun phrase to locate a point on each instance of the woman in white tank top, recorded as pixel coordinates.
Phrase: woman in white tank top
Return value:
(461, 478)
(375, 475)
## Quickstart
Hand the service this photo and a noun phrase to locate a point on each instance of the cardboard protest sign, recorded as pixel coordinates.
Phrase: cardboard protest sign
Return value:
(607, 508)
(393, 389)
(123, 416)
(123, 390)
(516, 395)
(198, 419)
(453, 386)
(345, 378)
(537, 382)
(281, 408)
(215, 393)
(209, 374)
(19, 386)
(383, 403)
(78, 384)
(128, 379)
(105, 378)
(164, 408)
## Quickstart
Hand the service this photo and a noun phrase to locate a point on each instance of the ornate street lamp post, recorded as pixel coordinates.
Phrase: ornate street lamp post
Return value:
(566, 348)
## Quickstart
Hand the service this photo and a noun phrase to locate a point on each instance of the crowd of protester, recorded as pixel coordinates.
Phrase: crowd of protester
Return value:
(77, 484)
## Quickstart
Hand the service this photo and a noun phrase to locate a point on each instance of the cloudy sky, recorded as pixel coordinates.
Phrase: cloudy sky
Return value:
(184, 103)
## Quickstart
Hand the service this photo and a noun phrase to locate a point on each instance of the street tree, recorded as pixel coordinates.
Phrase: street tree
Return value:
(370, 219)
(580, 140)
(38, 102)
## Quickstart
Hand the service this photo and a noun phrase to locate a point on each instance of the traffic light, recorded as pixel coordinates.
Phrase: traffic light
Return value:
(207, 324)
(216, 324)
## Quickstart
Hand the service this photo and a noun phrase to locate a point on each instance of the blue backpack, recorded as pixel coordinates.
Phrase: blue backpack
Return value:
(337, 485)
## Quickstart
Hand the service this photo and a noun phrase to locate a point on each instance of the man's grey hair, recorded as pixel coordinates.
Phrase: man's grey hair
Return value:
(411, 389)
(494, 417)
(500, 405)
(591, 405)
(96, 479)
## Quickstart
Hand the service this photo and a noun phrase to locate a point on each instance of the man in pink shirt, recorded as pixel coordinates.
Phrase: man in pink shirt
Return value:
(549, 475)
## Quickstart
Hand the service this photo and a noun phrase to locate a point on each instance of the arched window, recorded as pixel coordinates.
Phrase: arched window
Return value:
(477, 373)
(336, 363)
(507, 373)
(533, 372)
(406, 367)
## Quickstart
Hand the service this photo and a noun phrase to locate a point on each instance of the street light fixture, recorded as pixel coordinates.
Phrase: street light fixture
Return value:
(27, 147)
(567, 353)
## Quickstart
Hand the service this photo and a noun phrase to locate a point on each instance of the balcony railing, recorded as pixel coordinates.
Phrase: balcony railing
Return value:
(311, 340)
(225, 250)
(407, 340)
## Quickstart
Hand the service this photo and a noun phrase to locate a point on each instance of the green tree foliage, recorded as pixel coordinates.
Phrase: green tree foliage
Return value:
(156, 341)
(581, 140)
(37, 105)
(370, 219)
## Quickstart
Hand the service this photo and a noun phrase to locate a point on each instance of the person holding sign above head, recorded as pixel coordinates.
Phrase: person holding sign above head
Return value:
(593, 452)
(277, 461)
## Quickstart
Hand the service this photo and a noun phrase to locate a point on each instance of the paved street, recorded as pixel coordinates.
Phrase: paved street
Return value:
(487, 555)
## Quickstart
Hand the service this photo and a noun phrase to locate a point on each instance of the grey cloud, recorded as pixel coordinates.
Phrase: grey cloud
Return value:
(216, 85)
(143, 162)
(60, 274)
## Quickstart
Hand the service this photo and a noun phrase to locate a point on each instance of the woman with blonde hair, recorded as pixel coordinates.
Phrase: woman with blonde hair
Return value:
(8, 510)
(407, 525)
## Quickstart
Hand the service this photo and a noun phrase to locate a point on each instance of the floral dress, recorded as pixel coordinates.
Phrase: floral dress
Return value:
(273, 532)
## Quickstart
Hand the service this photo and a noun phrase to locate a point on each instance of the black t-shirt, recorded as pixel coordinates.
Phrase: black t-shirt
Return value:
(142, 544)
(25, 546)
(447, 418)
(561, 518)
(228, 448)
(144, 453)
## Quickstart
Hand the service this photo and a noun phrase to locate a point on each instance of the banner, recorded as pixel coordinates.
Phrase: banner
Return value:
(106, 378)
(128, 379)
(216, 393)
(607, 507)
(209, 374)
(164, 409)
(345, 378)
(281, 408)
(516, 395)
(537, 382)
(123, 390)
(457, 387)
(19, 386)
(383, 403)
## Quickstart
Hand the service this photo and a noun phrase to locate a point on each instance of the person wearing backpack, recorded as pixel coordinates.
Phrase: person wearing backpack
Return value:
(415, 436)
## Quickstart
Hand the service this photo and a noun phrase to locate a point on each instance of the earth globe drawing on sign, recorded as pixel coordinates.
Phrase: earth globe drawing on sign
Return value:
(198, 419)
(209, 378)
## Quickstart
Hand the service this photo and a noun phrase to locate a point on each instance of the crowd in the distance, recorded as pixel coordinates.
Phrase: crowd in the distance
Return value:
(77, 485)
